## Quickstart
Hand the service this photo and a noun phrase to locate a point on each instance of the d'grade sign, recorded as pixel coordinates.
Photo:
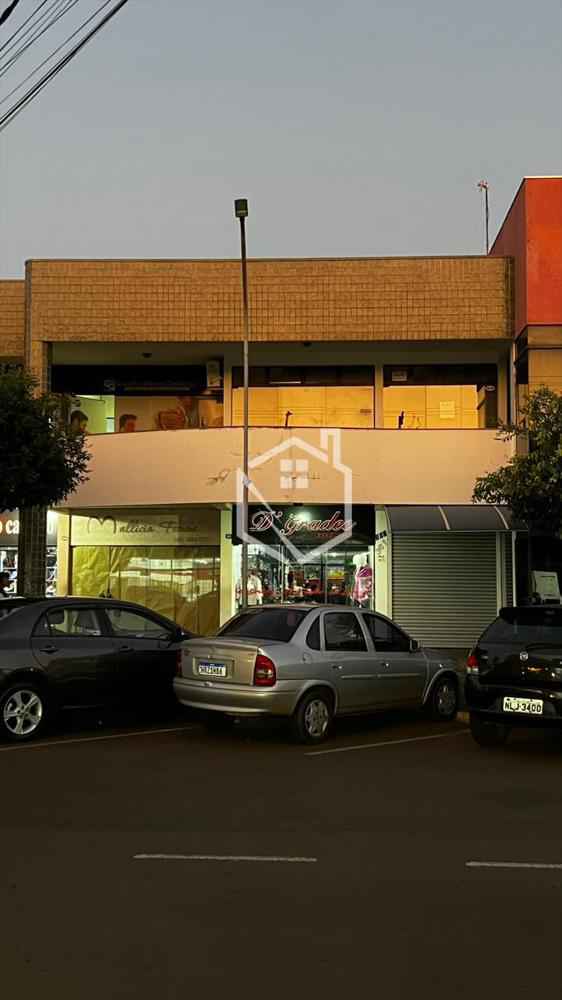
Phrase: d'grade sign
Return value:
(308, 526)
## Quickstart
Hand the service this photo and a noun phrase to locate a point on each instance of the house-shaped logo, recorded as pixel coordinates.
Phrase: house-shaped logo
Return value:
(297, 461)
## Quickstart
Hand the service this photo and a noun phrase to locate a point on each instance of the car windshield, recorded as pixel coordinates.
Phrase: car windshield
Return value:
(526, 626)
(10, 606)
(278, 624)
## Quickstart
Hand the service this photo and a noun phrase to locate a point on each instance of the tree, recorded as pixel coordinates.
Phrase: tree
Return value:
(43, 460)
(531, 483)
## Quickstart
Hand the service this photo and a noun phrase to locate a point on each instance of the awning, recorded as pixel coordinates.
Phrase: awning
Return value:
(457, 517)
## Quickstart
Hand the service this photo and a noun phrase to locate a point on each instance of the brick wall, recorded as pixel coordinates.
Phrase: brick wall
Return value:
(325, 299)
(12, 319)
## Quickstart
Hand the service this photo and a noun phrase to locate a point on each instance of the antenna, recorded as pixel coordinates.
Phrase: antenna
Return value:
(484, 187)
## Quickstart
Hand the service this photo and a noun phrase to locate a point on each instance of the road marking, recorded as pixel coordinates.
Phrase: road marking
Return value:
(512, 864)
(222, 857)
(385, 743)
(94, 739)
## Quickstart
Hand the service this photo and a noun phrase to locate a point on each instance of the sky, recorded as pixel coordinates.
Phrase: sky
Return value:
(354, 129)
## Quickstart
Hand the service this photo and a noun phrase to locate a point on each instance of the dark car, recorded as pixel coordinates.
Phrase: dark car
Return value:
(75, 652)
(514, 674)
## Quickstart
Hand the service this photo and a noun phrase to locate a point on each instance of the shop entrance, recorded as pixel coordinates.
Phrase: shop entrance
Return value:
(343, 576)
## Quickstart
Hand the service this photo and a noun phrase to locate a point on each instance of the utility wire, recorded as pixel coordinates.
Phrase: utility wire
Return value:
(23, 24)
(9, 10)
(9, 116)
(39, 31)
(54, 52)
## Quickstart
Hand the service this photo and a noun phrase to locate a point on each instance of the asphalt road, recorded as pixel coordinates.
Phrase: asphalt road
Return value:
(381, 901)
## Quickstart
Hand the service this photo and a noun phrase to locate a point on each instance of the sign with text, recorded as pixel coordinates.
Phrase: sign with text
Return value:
(197, 527)
(309, 526)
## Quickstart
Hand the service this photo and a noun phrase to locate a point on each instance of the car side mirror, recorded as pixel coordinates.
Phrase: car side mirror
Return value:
(414, 646)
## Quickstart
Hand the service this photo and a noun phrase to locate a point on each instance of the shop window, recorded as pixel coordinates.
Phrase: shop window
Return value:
(342, 632)
(440, 397)
(338, 396)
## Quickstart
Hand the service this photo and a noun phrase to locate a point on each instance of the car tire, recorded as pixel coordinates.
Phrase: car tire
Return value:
(313, 717)
(23, 712)
(443, 703)
(488, 734)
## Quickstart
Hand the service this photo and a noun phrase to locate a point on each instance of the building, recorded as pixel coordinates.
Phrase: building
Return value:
(411, 360)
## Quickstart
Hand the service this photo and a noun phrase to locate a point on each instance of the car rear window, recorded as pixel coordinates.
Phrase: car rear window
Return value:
(278, 624)
(525, 626)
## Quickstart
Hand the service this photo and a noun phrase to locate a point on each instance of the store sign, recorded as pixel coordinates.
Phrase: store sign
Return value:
(10, 529)
(198, 527)
(306, 526)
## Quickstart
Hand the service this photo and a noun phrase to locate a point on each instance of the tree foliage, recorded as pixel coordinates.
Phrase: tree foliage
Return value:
(42, 460)
(531, 484)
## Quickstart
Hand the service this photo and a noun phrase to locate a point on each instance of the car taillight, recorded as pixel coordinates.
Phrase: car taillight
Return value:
(265, 674)
(472, 665)
(178, 663)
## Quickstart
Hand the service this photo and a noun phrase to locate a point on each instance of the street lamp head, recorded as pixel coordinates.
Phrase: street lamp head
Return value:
(241, 208)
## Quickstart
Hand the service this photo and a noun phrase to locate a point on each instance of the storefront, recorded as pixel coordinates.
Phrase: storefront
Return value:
(167, 560)
(308, 553)
(9, 538)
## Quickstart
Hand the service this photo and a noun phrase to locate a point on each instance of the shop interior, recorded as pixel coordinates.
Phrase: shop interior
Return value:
(341, 576)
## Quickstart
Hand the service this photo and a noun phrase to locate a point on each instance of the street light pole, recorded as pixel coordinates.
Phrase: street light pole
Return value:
(241, 212)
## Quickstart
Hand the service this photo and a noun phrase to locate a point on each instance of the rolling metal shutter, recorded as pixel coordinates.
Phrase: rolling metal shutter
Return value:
(444, 586)
(509, 596)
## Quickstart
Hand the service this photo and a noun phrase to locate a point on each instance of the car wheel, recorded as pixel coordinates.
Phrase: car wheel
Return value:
(444, 700)
(488, 734)
(313, 717)
(23, 712)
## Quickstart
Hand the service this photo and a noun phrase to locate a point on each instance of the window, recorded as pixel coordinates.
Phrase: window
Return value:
(133, 625)
(526, 626)
(386, 637)
(418, 397)
(313, 637)
(342, 631)
(277, 624)
(70, 622)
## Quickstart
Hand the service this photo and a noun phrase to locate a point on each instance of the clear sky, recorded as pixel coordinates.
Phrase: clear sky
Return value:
(356, 128)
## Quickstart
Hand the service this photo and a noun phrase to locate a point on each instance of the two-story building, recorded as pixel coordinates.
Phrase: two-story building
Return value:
(376, 387)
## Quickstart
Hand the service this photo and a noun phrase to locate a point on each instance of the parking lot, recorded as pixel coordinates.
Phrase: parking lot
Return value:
(156, 860)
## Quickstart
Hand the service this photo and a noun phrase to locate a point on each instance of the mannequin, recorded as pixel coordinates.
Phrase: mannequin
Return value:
(363, 583)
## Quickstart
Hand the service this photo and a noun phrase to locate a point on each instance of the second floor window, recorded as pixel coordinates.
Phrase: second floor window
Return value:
(423, 397)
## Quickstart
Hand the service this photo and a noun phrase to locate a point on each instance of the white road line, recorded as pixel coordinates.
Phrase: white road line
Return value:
(386, 743)
(512, 864)
(222, 857)
(94, 739)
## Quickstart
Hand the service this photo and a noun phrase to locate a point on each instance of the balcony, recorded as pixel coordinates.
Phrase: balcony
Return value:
(288, 466)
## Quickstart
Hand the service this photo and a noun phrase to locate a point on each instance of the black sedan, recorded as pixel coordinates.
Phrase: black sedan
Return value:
(75, 652)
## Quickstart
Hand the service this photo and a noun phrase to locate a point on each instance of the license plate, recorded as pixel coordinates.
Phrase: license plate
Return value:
(523, 706)
(208, 668)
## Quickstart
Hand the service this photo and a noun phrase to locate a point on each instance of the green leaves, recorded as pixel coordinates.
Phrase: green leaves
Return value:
(531, 484)
(41, 460)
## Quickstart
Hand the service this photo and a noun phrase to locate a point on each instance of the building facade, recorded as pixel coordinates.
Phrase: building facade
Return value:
(376, 387)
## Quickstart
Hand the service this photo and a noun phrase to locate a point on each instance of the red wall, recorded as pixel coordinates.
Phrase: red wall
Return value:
(532, 234)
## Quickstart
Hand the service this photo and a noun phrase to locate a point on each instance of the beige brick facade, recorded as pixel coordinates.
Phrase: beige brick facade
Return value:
(12, 319)
(392, 299)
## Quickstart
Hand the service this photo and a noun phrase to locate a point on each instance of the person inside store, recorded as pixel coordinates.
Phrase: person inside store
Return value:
(127, 423)
(78, 422)
(4, 585)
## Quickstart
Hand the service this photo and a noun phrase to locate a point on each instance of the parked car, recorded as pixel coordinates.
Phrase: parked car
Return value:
(58, 653)
(311, 662)
(514, 674)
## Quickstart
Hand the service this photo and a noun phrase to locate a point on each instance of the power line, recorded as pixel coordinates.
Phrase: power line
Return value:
(37, 31)
(9, 10)
(33, 92)
(54, 52)
(23, 24)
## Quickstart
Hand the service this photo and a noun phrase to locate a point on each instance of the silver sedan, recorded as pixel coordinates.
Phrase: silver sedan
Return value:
(310, 663)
